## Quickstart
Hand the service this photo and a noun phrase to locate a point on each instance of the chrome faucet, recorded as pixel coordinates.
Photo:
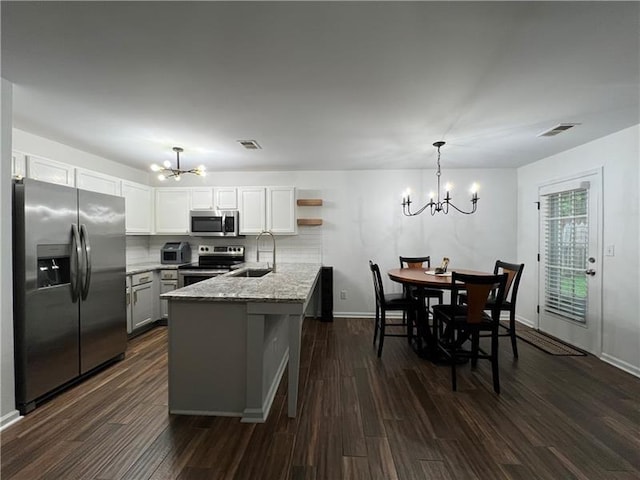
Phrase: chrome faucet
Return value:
(273, 239)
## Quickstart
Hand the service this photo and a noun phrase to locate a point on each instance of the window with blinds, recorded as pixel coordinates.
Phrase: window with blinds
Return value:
(566, 248)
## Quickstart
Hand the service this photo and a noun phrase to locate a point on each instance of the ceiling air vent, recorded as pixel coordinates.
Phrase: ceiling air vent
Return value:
(558, 129)
(250, 144)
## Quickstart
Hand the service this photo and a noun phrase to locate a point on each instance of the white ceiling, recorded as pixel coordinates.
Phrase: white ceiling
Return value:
(327, 85)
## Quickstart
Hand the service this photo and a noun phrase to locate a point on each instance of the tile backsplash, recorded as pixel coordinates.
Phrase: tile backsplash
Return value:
(306, 247)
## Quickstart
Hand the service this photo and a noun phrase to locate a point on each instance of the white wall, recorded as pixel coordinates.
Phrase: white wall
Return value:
(8, 413)
(619, 156)
(30, 144)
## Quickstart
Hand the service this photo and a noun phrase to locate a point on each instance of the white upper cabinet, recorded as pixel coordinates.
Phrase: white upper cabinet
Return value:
(226, 198)
(281, 210)
(138, 201)
(97, 182)
(172, 210)
(50, 171)
(202, 198)
(252, 210)
(267, 208)
(18, 165)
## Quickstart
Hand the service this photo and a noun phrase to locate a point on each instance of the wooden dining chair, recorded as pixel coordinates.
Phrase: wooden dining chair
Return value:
(390, 302)
(463, 322)
(420, 263)
(514, 273)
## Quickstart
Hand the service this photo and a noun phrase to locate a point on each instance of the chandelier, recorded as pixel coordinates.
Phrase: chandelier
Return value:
(437, 205)
(166, 171)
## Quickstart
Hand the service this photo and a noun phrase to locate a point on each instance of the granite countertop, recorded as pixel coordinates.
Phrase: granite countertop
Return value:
(148, 266)
(290, 283)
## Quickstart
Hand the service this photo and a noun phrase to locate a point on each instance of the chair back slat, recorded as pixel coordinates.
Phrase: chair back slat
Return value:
(514, 272)
(415, 262)
(477, 295)
(478, 288)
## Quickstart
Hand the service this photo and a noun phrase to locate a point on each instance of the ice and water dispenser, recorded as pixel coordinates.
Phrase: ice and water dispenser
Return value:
(54, 265)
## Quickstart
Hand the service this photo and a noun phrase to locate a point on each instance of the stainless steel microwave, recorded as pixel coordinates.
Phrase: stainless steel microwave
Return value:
(214, 223)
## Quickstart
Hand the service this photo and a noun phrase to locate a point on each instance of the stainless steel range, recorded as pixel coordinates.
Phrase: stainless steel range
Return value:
(212, 261)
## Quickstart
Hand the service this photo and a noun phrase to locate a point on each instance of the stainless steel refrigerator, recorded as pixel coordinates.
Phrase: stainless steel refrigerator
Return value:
(69, 283)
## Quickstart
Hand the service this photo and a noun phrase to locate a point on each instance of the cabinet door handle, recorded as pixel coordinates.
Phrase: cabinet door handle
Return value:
(135, 297)
(144, 279)
(128, 298)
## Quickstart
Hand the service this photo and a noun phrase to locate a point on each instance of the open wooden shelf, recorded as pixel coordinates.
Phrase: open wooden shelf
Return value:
(309, 202)
(310, 221)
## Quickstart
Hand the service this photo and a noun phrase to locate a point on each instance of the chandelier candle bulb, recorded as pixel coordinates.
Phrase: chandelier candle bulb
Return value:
(474, 192)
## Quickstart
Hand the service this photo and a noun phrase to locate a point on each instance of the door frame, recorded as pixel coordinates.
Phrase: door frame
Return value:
(599, 215)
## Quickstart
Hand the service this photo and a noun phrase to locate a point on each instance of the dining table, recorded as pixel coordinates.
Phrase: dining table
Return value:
(425, 343)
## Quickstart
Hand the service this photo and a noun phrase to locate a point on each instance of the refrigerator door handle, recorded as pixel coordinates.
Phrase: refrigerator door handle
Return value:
(86, 246)
(75, 261)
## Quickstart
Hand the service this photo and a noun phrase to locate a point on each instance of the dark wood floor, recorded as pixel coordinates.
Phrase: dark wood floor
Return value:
(360, 417)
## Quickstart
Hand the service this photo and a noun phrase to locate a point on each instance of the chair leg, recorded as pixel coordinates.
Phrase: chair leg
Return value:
(512, 331)
(383, 321)
(475, 346)
(494, 360)
(377, 324)
(454, 361)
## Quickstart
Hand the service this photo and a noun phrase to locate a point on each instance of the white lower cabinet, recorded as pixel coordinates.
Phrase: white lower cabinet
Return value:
(168, 282)
(143, 299)
(128, 303)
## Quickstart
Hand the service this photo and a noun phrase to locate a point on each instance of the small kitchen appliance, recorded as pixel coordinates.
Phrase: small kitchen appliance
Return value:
(214, 223)
(175, 253)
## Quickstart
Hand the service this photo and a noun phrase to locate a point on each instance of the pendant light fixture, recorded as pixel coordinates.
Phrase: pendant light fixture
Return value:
(436, 205)
(166, 171)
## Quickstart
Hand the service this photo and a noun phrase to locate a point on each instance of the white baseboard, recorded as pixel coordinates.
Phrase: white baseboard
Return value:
(9, 419)
(205, 413)
(364, 315)
(503, 316)
(621, 364)
(526, 322)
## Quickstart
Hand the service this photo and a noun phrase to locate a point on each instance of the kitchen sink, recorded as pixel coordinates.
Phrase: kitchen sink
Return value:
(251, 272)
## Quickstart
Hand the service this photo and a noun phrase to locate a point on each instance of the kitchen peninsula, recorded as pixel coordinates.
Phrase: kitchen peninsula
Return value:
(230, 338)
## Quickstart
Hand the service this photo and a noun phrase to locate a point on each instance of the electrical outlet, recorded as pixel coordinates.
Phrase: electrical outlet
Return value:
(343, 294)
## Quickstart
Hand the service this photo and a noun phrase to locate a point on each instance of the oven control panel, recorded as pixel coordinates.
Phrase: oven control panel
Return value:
(220, 250)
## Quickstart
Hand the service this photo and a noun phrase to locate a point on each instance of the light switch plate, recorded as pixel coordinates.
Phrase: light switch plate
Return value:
(610, 251)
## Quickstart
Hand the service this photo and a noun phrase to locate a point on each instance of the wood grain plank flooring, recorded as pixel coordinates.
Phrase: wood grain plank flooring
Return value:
(360, 417)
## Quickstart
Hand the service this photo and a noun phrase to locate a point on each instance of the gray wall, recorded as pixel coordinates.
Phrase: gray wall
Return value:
(7, 388)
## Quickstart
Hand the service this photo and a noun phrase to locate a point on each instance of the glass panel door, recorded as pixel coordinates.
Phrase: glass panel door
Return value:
(570, 285)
